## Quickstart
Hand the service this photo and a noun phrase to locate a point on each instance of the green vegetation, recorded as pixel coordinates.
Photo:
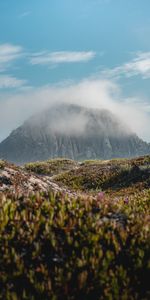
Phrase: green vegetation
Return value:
(54, 247)
(51, 167)
(116, 174)
(141, 160)
(92, 161)
(2, 164)
(90, 244)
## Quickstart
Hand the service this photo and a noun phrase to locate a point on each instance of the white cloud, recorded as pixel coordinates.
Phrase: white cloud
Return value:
(8, 54)
(14, 109)
(140, 65)
(48, 58)
(8, 81)
(25, 14)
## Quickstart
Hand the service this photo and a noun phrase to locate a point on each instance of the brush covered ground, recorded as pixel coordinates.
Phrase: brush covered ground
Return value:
(51, 167)
(87, 236)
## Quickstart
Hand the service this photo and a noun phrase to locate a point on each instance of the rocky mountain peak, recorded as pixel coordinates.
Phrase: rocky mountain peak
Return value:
(72, 131)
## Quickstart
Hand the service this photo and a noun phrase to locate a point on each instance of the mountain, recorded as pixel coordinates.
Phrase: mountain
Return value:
(72, 131)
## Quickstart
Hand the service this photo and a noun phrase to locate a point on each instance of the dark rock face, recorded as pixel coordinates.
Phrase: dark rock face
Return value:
(74, 132)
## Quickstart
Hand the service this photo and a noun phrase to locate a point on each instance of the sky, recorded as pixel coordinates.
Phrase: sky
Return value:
(89, 52)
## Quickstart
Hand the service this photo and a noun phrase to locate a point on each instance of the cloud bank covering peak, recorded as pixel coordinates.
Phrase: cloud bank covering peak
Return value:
(90, 92)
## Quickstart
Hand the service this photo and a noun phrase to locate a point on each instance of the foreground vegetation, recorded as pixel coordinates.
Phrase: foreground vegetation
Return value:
(89, 241)
(57, 247)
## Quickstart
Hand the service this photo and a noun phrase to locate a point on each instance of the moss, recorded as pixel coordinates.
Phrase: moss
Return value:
(51, 167)
(113, 174)
(2, 164)
(92, 161)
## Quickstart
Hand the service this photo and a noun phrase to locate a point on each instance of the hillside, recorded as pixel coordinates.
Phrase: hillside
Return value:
(111, 176)
(74, 132)
(72, 230)
(34, 177)
(114, 177)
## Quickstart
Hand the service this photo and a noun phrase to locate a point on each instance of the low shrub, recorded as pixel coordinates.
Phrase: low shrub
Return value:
(50, 167)
(2, 164)
(54, 247)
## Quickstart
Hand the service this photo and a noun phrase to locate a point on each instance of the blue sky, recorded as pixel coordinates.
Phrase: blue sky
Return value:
(49, 48)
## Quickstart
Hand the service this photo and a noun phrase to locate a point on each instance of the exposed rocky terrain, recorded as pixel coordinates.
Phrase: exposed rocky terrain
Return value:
(16, 180)
(71, 131)
(113, 177)
(35, 178)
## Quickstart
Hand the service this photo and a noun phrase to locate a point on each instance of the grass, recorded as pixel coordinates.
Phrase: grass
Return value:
(108, 175)
(51, 167)
(2, 164)
(142, 160)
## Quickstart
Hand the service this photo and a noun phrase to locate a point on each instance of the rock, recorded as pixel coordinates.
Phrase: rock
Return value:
(20, 182)
(74, 132)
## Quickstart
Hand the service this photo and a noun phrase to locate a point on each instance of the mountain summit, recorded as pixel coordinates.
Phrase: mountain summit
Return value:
(71, 131)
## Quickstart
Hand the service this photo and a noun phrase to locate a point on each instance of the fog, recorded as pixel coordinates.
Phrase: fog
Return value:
(95, 93)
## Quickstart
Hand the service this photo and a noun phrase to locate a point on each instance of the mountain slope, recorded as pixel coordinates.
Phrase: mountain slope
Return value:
(74, 132)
